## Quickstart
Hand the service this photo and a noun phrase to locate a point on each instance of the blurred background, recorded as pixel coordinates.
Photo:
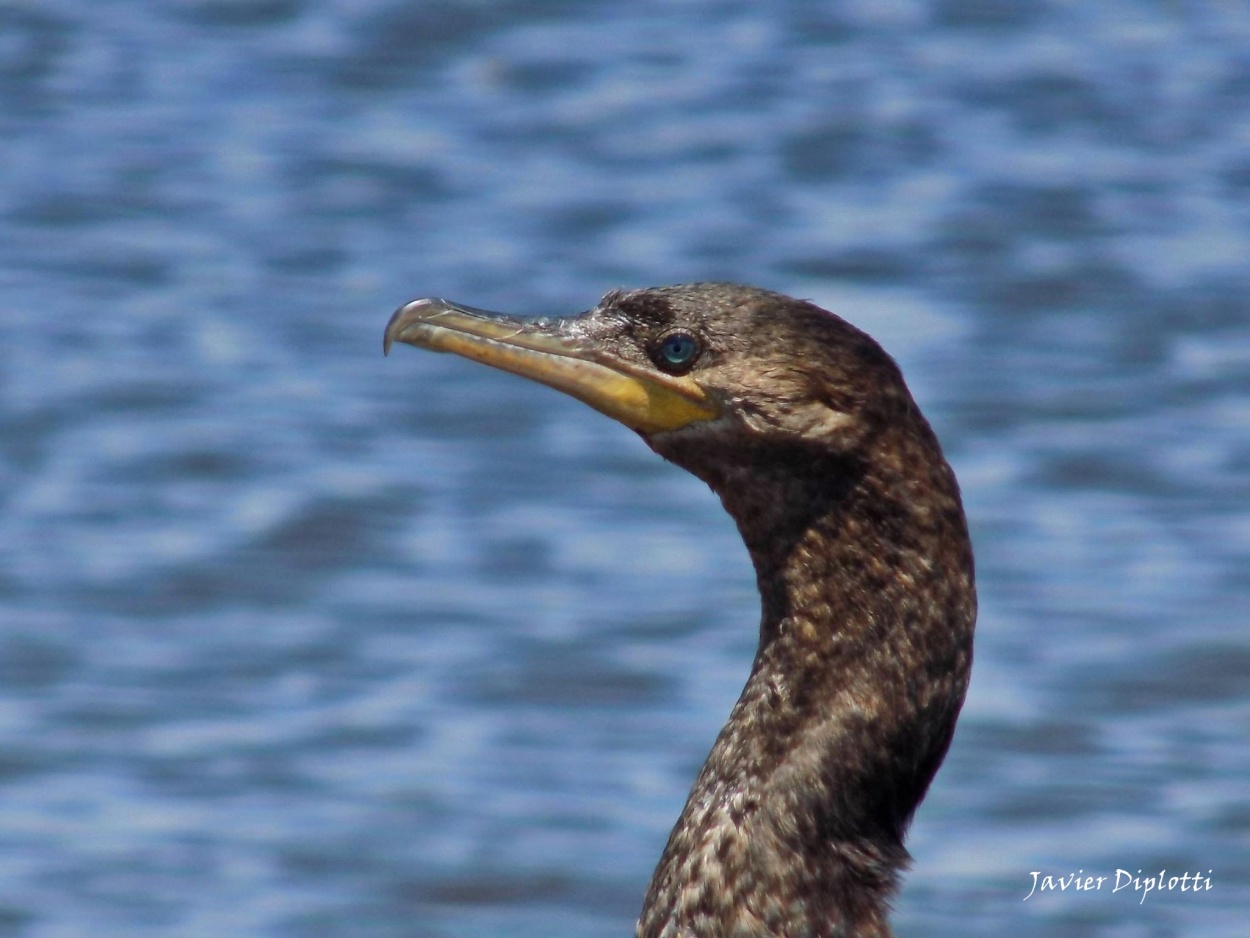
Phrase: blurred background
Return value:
(299, 641)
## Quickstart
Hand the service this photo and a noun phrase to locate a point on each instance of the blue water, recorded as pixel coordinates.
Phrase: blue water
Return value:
(299, 641)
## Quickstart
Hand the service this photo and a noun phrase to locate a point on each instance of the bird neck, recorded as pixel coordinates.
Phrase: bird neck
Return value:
(796, 822)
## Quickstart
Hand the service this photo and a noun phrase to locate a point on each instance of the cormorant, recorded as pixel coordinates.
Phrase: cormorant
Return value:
(804, 427)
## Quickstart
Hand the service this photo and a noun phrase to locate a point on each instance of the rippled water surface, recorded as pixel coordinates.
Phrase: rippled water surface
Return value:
(299, 641)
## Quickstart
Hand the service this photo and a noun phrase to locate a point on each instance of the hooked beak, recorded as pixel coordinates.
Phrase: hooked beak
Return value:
(642, 398)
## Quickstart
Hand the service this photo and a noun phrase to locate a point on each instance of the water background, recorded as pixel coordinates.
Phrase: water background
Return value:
(299, 641)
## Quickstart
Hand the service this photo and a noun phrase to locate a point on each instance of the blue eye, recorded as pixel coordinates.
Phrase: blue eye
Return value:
(676, 352)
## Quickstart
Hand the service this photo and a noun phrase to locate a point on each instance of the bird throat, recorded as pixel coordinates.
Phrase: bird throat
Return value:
(795, 825)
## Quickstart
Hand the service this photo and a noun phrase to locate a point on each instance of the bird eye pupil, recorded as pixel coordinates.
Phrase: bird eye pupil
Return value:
(678, 349)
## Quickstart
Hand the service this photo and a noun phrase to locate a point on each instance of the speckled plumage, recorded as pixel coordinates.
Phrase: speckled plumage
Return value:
(854, 524)
(853, 521)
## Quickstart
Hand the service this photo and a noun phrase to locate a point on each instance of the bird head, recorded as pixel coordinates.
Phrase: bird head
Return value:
(697, 369)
